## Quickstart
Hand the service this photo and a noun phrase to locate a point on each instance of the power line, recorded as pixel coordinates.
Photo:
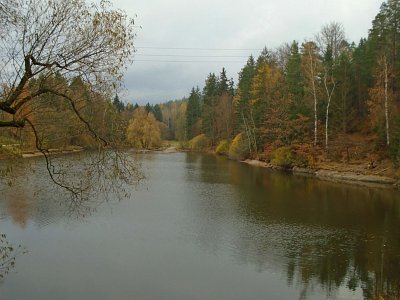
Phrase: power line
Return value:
(201, 49)
(194, 56)
(186, 61)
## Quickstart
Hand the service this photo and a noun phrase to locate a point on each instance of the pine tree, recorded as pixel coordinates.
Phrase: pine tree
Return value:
(210, 100)
(241, 103)
(148, 108)
(118, 104)
(294, 81)
(223, 83)
(157, 112)
(193, 113)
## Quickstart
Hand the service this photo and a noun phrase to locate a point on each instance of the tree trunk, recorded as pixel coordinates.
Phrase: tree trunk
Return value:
(315, 99)
(386, 102)
(329, 95)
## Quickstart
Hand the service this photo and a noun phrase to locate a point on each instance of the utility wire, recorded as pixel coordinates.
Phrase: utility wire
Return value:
(187, 61)
(194, 56)
(201, 49)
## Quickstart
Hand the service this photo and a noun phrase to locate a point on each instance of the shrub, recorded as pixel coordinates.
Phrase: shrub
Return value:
(199, 143)
(239, 148)
(283, 157)
(223, 147)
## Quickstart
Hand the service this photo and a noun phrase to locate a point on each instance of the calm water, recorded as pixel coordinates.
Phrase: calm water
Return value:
(202, 227)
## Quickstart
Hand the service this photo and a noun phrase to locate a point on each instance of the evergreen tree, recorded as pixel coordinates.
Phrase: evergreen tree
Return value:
(148, 108)
(157, 112)
(241, 105)
(210, 100)
(294, 81)
(223, 83)
(193, 113)
(119, 105)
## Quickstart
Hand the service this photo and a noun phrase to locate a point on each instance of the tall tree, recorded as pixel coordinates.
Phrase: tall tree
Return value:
(157, 112)
(223, 83)
(332, 43)
(311, 68)
(241, 102)
(266, 90)
(210, 100)
(294, 80)
(193, 113)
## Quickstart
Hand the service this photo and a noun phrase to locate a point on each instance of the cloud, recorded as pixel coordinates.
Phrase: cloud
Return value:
(223, 24)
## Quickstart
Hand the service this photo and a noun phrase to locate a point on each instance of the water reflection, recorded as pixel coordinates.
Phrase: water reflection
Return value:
(322, 234)
(30, 192)
(201, 224)
(8, 256)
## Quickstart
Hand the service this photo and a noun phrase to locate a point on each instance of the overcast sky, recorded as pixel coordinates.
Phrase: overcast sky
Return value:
(240, 27)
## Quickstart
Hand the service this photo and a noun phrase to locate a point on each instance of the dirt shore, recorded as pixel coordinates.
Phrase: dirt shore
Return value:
(341, 173)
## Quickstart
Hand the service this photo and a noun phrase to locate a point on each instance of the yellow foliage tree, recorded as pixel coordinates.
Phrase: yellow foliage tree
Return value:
(143, 130)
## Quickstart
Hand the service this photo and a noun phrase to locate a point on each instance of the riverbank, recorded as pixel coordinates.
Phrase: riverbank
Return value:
(29, 154)
(337, 172)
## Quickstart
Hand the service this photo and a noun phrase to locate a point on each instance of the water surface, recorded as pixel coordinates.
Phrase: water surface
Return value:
(202, 227)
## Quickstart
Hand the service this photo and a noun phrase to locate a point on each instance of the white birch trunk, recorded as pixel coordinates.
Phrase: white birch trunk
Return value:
(329, 95)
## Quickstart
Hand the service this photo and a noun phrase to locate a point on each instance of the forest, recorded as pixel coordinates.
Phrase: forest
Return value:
(323, 99)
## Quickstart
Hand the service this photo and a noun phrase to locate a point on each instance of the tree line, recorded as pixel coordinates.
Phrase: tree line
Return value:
(323, 95)
(325, 92)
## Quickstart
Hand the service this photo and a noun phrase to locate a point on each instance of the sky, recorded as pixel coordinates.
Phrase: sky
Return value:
(180, 42)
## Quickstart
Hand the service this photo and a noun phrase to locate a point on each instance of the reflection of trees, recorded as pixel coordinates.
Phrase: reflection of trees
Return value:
(18, 207)
(8, 255)
(324, 235)
(29, 188)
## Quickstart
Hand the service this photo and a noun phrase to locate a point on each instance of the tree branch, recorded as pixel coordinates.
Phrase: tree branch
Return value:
(76, 111)
(13, 123)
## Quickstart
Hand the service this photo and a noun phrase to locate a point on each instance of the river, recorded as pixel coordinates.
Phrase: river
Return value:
(201, 227)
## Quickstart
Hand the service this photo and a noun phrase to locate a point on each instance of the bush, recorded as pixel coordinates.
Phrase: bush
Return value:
(283, 157)
(199, 143)
(223, 147)
(239, 148)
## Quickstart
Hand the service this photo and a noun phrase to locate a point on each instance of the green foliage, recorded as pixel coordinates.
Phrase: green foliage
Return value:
(5, 140)
(294, 78)
(283, 157)
(200, 143)
(10, 150)
(193, 112)
(119, 105)
(239, 148)
(223, 147)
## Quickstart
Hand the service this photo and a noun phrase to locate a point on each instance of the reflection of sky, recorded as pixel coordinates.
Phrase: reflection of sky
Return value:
(203, 227)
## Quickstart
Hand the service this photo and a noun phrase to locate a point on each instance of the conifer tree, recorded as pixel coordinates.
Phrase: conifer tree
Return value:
(193, 112)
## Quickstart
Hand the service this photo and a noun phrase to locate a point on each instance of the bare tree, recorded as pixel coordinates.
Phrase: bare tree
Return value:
(311, 67)
(332, 43)
(332, 38)
(65, 37)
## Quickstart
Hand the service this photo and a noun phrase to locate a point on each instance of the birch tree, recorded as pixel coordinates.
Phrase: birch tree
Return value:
(332, 43)
(380, 96)
(311, 66)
